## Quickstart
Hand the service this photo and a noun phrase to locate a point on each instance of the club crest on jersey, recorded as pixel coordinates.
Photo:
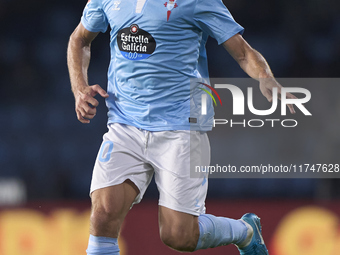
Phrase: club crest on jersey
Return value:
(170, 5)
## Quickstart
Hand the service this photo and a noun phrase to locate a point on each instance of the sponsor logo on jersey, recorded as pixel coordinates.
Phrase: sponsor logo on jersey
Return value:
(135, 43)
(170, 5)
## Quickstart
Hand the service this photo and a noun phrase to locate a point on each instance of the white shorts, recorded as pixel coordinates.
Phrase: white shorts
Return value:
(136, 154)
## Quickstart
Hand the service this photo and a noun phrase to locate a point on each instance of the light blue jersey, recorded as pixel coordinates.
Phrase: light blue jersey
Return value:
(157, 47)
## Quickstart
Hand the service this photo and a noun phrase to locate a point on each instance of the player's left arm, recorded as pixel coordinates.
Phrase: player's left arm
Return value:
(255, 65)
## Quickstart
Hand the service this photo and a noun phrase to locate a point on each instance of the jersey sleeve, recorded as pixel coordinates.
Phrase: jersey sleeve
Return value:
(94, 18)
(213, 17)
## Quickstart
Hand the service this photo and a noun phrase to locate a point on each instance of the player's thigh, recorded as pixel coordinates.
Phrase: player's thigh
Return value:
(120, 178)
(179, 189)
(121, 157)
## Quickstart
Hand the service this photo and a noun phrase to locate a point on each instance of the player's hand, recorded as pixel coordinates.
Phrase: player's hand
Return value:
(266, 87)
(86, 104)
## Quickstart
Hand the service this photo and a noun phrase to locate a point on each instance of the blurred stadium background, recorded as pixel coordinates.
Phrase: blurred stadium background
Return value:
(46, 155)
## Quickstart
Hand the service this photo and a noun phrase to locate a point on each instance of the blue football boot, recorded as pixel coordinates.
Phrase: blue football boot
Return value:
(256, 246)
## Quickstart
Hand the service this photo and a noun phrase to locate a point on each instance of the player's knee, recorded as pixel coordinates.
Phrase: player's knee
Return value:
(178, 238)
(103, 218)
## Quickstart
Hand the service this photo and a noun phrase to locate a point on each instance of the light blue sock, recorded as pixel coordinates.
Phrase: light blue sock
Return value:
(218, 231)
(99, 245)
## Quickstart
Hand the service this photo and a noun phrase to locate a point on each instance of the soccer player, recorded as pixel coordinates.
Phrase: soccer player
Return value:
(154, 120)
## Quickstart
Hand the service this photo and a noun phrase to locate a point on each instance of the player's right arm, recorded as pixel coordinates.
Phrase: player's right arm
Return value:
(78, 60)
(255, 65)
